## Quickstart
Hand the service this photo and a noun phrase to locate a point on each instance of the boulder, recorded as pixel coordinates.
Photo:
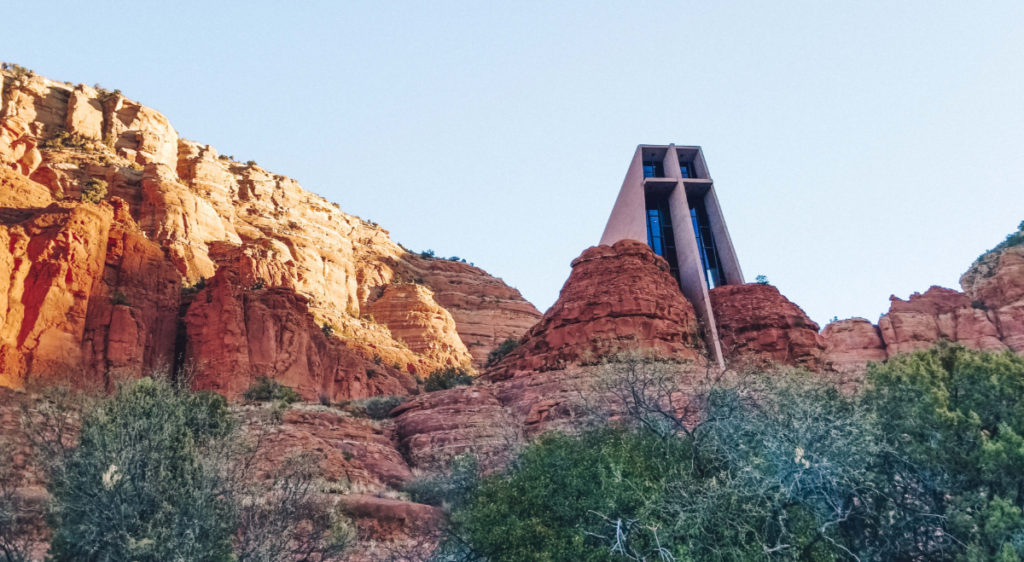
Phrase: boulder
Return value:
(438, 426)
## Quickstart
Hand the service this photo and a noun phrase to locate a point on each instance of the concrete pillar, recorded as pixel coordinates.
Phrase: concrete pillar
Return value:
(671, 163)
(628, 220)
(726, 252)
(700, 167)
(691, 269)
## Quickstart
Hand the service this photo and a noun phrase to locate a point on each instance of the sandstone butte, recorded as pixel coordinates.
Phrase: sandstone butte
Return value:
(196, 259)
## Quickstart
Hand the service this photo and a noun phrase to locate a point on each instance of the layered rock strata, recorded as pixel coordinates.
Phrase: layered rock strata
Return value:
(197, 214)
(617, 298)
(238, 332)
(995, 283)
(988, 314)
(84, 297)
(938, 314)
(756, 322)
(851, 343)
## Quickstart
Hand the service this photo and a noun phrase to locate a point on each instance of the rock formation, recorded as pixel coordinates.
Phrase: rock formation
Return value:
(237, 332)
(937, 314)
(85, 295)
(617, 298)
(95, 290)
(988, 314)
(412, 315)
(486, 311)
(995, 283)
(756, 322)
(439, 426)
(851, 343)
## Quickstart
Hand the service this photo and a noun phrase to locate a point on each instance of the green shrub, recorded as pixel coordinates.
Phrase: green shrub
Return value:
(449, 377)
(160, 473)
(66, 140)
(926, 464)
(761, 280)
(327, 330)
(376, 407)
(959, 414)
(563, 488)
(266, 389)
(448, 489)
(503, 349)
(94, 190)
(18, 70)
(135, 487)
(118, 298)
(195, 288)
(1012, 239)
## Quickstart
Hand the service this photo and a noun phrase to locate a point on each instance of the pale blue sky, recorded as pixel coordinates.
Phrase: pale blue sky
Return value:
(859, 149)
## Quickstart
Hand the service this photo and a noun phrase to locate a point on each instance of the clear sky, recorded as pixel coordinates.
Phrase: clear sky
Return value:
(859, 149)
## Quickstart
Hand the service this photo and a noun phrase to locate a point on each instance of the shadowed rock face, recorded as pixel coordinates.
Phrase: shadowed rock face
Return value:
(756, 322)
(617, 298)
(851, 343)
(99, 295)
(236, 332)
(996, 283)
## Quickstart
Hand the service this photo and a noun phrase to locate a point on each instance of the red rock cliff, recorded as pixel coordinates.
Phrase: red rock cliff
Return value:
(85, 280)
(988, 314)
(85, 296)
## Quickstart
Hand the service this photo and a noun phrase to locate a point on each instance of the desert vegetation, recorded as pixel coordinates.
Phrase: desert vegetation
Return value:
(449, 377)
(503, 349)
(923, 464)
(157, 472)
(94, 190)
(375, 407)
(266, 389)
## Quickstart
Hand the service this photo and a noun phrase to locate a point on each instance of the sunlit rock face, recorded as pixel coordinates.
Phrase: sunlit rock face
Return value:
(96, 289)
(937, 314)
(87, 298)
(995, 283)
